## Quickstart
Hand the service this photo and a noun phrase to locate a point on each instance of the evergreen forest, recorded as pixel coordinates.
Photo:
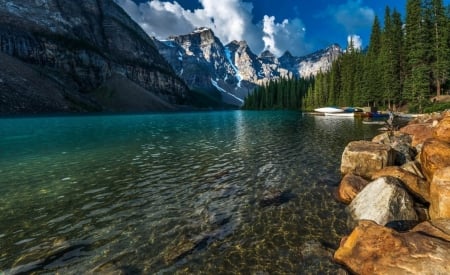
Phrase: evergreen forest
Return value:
(407, 63)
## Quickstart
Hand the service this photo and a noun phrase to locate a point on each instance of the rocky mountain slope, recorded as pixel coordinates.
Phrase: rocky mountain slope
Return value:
(87, 55)
(205, 63)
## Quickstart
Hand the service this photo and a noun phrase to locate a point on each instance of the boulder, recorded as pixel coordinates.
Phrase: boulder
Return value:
(400, 143)
(440, 194)
(439, 228)
(416, 185)
(375, 249)
(442, 130)
(349, 187)
(382, 201)
(414, 168)
(435, 155)
(420, 132)
(363, 158)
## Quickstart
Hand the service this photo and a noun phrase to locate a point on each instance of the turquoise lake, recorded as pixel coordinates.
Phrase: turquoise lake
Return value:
(177, 193)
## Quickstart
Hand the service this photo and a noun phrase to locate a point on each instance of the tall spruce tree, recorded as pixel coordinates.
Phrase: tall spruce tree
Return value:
(441, 54)
(418, 49)
(372, 67)
(390, 57)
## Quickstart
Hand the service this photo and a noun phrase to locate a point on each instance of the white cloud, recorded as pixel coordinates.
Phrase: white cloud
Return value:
(286, 35)
(352, 15)
(229, 19)
(355, 40)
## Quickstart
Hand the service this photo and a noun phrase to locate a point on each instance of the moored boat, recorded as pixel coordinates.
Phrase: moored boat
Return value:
(329, 110)
(343, 114)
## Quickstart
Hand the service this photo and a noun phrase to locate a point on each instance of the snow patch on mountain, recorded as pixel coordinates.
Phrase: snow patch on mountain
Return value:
(215, 84)
(236, 70)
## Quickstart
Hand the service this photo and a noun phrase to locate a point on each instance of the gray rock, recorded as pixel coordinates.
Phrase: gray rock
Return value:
(382, 201)
(400, 143)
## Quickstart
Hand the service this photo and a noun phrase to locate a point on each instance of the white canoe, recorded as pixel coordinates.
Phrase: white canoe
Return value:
(329, 110)
(340, 114)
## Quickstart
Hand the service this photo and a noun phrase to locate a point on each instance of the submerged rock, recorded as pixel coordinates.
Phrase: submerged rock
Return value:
(375, 249)
(180, 249)
(382, 201)
(275, 197)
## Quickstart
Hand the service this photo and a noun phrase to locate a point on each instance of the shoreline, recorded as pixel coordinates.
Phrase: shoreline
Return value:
(397, 191)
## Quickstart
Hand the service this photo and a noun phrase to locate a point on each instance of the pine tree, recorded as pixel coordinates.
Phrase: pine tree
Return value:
(418, 48)
(372, 70)
(390, 57)
(440, 57)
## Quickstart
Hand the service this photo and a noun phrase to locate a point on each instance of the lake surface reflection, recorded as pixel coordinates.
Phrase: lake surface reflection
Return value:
(184, 193)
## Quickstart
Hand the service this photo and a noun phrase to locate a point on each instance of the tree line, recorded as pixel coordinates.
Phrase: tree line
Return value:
(406, 62)
(283, 93)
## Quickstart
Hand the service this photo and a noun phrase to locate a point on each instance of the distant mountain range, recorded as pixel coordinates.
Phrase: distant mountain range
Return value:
(87, 56)
(204, 63)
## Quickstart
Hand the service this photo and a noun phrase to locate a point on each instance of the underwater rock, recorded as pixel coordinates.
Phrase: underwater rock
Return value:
(275, 197)
(179, 250)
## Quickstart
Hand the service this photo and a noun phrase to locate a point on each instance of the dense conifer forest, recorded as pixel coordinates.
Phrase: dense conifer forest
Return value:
(407, 62)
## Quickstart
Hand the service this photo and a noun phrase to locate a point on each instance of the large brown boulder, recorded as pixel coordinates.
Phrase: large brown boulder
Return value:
(416, 185)
(420, 132)
(383, 201)
(435, 155)
(375, 249)
(439, 228)
(442, 130)
(440, 194)
(349, 187)
(363, 158)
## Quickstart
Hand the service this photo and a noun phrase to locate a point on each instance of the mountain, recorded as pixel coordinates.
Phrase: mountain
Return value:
(202, 61)
(76, 56)
(205, 63)
(310, 64)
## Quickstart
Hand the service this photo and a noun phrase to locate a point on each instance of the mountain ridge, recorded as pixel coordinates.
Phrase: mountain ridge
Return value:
(204, 62)
(77, 48)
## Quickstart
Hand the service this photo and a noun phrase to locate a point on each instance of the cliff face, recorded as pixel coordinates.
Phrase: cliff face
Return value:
(80, 49)
(204, 63)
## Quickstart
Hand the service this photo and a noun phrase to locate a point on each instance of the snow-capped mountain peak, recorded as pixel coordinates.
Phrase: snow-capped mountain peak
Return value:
(205, 63)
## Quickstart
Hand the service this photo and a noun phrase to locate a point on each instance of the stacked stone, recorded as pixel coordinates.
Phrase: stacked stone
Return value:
(397, 188)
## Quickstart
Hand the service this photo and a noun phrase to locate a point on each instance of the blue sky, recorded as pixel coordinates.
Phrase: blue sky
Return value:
(300, 26)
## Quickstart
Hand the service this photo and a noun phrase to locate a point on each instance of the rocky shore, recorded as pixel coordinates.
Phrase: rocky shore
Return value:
(397, 188)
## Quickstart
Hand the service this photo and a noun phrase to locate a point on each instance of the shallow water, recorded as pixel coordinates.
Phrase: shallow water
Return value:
(184, 193)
